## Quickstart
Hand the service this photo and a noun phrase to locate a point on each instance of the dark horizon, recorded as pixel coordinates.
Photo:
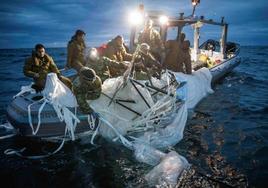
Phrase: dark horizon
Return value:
(90, 46)
(24, 24)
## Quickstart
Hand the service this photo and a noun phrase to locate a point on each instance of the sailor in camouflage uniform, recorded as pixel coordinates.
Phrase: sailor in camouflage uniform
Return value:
(87, 86)
(116, 51)
(102, 65)
(39, 65)
(146, 65)
(152, 37)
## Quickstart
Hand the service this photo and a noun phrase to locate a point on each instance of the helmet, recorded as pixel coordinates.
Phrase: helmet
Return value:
(144, 48)
(87, 74)
(93, 54)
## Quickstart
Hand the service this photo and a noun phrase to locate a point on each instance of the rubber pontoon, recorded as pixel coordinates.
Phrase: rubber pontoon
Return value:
(18, 117)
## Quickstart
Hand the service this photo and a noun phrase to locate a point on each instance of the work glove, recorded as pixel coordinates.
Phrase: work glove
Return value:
(36, 75)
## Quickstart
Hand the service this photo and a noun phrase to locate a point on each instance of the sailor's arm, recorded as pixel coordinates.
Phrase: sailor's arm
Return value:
(53, 67)
(83, 105)
(97, 89)
(159, 41)
(126, 56)
(109, 62)
(27, 69)
(72, 55)
(69, 55)
(154, 62)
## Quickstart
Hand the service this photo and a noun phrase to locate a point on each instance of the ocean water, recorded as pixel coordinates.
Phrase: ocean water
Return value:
(226, 137)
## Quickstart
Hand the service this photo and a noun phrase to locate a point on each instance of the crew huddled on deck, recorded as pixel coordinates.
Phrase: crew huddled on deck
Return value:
(150, 58)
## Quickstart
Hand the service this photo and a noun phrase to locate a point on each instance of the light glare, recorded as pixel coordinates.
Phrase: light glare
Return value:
(163, 20)
(135, 18)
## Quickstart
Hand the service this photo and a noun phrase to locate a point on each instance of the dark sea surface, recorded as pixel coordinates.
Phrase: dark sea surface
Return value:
(226, 137)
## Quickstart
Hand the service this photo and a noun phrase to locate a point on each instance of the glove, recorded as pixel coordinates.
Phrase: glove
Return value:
(36, 75)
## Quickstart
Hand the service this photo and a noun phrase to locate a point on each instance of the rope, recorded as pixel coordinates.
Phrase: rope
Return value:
(19, 152)
(34, 132)
(7, 136)
(25, 89)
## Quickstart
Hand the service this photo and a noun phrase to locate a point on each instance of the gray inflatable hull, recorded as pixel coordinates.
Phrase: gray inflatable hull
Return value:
(17, 116)
(17, 111)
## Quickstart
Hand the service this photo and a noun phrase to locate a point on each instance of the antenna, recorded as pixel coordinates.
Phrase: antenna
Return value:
(195, 3)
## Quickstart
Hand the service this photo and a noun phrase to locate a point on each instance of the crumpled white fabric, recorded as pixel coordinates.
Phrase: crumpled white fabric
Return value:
(147, 146)
(61, 98)
(168, 170)
(198, 86)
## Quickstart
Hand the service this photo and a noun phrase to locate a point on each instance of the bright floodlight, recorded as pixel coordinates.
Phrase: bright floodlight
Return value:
(163, 20)
(135, 18)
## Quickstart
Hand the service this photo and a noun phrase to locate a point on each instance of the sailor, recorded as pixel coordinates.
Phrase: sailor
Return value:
(102, 65)
(184, 58)
(181, 38)
(87, 86)
(116, 50)
(75, 51)
(152, 37)
(173, 48)
(145, 64)
(39, 65)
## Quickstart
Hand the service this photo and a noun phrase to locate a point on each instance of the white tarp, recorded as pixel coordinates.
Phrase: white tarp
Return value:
(198, 86)
(146, 145)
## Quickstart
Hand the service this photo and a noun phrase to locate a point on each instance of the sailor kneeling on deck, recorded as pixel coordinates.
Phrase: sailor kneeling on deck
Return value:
(87, 86)
(146, 65)
(39, 65)
(102, 65)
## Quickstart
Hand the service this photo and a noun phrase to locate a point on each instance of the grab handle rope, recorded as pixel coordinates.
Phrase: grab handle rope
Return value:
(19, 152)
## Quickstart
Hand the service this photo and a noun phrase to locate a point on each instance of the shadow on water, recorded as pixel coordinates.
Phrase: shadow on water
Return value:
(78, 164)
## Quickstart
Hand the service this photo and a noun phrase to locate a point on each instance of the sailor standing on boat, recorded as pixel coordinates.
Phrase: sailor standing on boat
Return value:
(178, 58)
(102, 65)
(173, 48)
(181, 39)
(152, 37)
(87, 86)
(39, 65)
(184, 61)
(75, 51)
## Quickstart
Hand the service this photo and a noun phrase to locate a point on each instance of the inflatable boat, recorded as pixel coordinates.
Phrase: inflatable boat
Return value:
(18, 110)
(219, 57)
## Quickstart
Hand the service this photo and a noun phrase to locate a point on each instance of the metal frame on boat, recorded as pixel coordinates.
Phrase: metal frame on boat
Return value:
(228, 53)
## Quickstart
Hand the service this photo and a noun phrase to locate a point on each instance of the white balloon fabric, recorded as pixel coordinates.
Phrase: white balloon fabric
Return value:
(151, 138)
(61, 98)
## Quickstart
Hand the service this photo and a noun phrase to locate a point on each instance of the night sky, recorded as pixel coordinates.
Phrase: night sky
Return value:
(23, 23)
